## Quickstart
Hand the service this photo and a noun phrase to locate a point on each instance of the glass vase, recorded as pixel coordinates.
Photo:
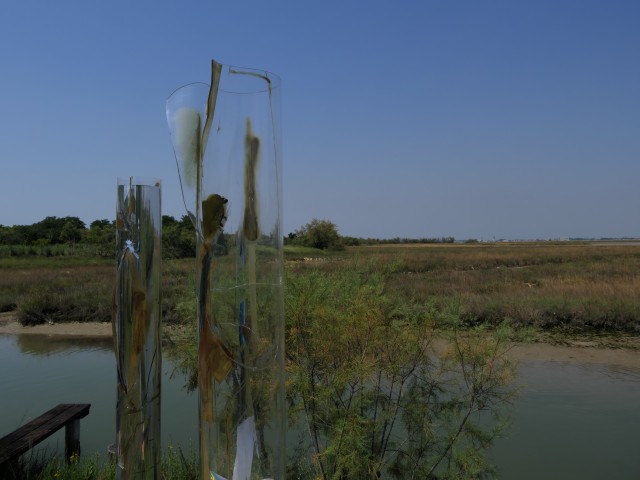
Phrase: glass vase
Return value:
(227, 145)
(136, 327)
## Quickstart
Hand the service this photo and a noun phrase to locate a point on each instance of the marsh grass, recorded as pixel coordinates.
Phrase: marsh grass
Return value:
(178, 291)
(572, 287)
(66, 292)
(175, 465)
(77, 289)
(28, 466)
(57, 250)
(76, 295)
(299, 252)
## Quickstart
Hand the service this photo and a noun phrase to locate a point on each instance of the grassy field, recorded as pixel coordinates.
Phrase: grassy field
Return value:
(571, 287)
(76, 288)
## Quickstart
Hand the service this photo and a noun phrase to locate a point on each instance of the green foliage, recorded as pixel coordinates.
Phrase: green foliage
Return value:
(52, 230)
(56, 289)
(351, 241)
(178, 292)
(175, 465)
(320, 234)
(379, 400)
(178, 237)
(43, 249)
(181, 348)
(7, 303)
(10, 236)
(53, 235)
(63, 302)
(365, 379)
(78, 469)
(570, 288)
(70, 233)
(102, 236)
(179, 309)
(63, 289)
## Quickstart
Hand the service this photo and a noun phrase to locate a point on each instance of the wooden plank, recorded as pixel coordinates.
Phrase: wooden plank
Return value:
(72, 439)
(34, 432)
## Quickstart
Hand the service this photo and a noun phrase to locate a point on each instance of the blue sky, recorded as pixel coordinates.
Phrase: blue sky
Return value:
(492, 119)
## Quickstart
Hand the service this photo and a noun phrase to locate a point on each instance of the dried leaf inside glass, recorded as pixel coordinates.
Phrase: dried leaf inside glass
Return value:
(227, 145)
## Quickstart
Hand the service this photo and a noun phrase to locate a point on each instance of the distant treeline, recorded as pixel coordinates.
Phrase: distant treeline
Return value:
(355, 241)
(323, 234)
(70, 235)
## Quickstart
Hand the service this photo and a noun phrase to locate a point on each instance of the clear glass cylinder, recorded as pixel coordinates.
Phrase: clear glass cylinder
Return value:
(136, 326)
(227, 144)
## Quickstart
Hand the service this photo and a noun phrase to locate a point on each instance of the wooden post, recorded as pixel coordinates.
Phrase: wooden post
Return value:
(72, 439)
(19, 441)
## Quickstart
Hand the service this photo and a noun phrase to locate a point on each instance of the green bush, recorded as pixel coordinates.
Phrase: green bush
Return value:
(378, 400)
(320, 234)
(365, 381)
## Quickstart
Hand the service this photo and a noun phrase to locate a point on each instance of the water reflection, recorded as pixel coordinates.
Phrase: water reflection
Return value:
(61, 344)
(571, 421)
(39, 371)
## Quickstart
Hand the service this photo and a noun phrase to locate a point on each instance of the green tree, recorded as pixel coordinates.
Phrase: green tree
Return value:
(70, 233)
(49, 230)
(101, 224)
(102, 234)
(321, 234)
(178, 237)
(10, 236)
(168, 220)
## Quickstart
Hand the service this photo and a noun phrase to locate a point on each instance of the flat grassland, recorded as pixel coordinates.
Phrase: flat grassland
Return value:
(564, 287)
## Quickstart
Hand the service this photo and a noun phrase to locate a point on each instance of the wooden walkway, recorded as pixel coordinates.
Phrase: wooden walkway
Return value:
(66, 415)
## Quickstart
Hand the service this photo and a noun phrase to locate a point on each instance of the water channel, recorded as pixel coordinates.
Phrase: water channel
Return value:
(571, 420)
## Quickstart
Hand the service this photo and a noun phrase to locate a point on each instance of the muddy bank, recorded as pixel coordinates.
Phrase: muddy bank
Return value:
(9, 325)
(612, 350)
(544, 352)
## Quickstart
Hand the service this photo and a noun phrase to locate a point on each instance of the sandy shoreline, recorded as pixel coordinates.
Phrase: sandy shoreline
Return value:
(9, 325)
(602, 350)
(544, 352)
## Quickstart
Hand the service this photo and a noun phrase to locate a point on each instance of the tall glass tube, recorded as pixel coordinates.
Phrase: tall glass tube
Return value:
(136, 327)
(226, 140)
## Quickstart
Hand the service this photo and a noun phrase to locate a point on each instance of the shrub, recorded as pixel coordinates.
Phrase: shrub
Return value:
(379, 401)
(321, 234)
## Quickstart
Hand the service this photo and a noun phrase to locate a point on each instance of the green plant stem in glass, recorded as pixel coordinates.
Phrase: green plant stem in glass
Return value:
(227, 145)
(136, 327)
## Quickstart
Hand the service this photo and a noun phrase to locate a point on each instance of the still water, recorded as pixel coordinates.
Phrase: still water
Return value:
(571, 421)
(38, 372)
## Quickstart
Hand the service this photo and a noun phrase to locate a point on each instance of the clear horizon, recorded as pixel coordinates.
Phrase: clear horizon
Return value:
(412, 119)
